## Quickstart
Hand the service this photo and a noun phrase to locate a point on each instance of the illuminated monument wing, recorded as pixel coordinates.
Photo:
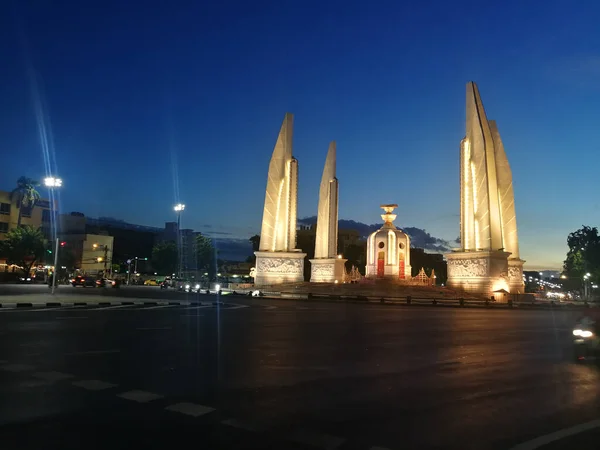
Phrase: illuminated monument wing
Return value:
(277, 260)
(488, 261)
(327, 267)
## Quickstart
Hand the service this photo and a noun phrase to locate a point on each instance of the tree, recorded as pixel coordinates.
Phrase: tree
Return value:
(23, 246)
(164, 257)
(255, 241)
(206, 256)
(26, 194)
(584, 254)
(356, 255)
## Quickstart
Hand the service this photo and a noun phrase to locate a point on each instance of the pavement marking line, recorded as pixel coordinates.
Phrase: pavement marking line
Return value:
(271, 307)
(191, 409)
(104, 308)
(158, 307)
(71, 317)
(244, 425)
(52, 376)
(560, 434)
(198, 307)
(92, 352)
(93, 385)
(237, 306)
(17, 367)
(153, 329)
(139, 396)
(325, 441)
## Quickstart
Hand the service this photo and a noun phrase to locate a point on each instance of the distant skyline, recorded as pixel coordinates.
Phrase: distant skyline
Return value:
(139, 108)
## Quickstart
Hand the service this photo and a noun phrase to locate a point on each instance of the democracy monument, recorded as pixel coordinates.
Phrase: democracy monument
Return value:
(487, 263)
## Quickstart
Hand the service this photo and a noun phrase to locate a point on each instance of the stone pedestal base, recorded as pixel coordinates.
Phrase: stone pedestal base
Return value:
(327, 270)
(483, 272)
(279, 268)
(515, 276)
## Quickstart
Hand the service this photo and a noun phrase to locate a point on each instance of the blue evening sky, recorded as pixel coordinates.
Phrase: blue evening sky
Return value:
(144, 99)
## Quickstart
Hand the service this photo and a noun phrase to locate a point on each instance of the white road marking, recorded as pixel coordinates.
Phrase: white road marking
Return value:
(560, 434)
(244, 425)
(139, 396)
(153, 329)
(198, 307)
(92, 352)
(159, 307)
(104, 308)
(52, 376)
(325, 441)
(237, 306)
(191, 409)
(271, 307)
(17, 367)
(93, 385)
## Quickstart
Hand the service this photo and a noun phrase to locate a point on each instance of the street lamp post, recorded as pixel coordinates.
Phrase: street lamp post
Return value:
(53, 183)
(178, 209)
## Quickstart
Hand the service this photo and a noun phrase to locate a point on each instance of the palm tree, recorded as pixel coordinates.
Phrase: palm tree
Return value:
(26, 194)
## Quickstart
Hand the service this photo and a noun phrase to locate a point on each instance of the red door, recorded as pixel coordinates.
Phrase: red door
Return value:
(401, 266)
(380, 265)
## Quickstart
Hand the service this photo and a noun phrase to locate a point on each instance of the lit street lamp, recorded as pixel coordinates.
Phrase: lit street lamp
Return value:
(52, 183)
(178, 209)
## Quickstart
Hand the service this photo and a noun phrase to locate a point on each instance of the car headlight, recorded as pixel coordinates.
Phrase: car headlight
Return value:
(586, 334)
(187, 286)
(577, 332)
(28, 279)
(197, 286)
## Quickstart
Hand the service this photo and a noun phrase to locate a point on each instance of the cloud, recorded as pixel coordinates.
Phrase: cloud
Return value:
(419, 237)
(232, 249)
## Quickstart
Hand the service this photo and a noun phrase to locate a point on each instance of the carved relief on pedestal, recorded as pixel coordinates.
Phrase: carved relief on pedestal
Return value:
(463, 268)
(323, 270)
(515, 273)
(279, 265)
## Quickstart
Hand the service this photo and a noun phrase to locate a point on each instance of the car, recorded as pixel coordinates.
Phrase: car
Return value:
(106, 282)
(25, 280)
(151, 283)
(83, 281)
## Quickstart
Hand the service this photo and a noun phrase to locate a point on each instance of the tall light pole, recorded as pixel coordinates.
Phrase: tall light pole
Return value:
(178, 209)
(53, 183)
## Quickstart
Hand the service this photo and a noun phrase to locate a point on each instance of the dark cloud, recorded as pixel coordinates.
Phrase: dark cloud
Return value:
(419, 237)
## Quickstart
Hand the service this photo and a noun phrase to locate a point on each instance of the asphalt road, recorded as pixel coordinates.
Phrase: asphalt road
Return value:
(257, 373)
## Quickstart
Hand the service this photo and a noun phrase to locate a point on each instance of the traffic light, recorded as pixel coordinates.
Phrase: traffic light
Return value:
(49, 251)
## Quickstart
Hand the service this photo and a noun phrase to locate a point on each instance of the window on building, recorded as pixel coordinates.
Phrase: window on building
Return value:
(26, 211)
(5, 208)
(46, 215)
(3, 227)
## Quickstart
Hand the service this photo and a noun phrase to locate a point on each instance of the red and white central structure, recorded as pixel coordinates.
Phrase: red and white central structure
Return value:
(388, 250)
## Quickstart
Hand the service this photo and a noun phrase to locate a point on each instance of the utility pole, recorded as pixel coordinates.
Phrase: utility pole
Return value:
(105, 259)
(54, 275)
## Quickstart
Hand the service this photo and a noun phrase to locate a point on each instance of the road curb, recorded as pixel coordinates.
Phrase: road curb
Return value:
(24, 305)
(53, 304)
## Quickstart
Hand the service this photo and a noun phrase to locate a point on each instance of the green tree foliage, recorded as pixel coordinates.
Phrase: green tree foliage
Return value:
(584, 254)
(26, 195)
(356, 254)
(205, 255)
(24, 246)
(255, 241)
(164, 257)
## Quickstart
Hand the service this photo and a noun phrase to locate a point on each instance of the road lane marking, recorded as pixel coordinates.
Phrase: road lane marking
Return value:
(93, 352)
(93, 385)
(191, 409)
(158, 307)
(104, 308)
(237, 306)
(244, 425)
(153, 329)
(17, 367)
(560, 434)
(271, 307)
(321, 440)
(139, 396)
(198, 307)
(52, 376)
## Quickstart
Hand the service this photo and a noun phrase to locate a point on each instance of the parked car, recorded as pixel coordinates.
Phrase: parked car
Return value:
(83, 281)
(152, 282)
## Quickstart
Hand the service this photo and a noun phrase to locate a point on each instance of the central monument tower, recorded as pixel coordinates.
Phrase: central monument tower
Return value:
(278, 261)
(488, 261)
